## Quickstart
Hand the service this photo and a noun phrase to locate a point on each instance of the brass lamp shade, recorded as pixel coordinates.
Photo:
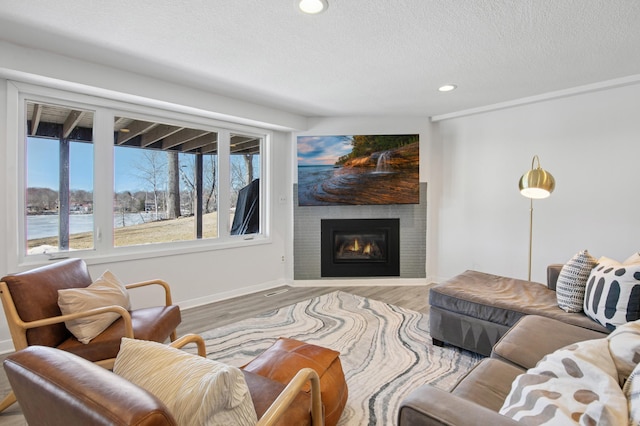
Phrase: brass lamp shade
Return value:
(537, 183)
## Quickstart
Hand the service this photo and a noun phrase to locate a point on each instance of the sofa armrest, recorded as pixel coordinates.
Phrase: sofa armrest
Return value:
(428, 405)
(553, 271)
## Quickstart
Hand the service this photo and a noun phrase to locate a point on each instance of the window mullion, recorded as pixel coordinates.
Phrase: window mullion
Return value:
(224, 183)
(103, 180)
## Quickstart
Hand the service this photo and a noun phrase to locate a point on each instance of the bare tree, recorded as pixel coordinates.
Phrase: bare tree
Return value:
(242, 174)
(152, 173)
(209, 183)
(188, 176)
(173, 193)
(209, 180)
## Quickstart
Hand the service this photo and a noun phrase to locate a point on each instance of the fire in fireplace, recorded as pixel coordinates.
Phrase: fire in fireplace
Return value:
(360, 247)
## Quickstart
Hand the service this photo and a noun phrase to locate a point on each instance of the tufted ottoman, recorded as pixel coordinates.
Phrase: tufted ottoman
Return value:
(287, 356)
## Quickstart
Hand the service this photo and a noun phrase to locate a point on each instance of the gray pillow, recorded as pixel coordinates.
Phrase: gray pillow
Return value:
(572, 281)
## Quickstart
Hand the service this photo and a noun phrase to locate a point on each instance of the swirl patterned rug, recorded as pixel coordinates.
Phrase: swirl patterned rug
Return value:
(386, 350)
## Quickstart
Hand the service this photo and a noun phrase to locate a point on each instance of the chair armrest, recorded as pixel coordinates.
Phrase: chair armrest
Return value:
(428, 405)
(553, 271)
(56, 387)
(289, 393)
(191, 338)
(126, 316)
(163, 284)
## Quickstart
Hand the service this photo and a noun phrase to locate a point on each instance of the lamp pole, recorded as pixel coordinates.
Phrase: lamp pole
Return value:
(536, 183)
(530, 236)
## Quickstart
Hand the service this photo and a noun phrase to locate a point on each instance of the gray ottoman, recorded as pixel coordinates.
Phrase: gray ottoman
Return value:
(473, 310)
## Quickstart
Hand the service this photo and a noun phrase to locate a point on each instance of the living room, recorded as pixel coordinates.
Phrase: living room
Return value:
(585, 133)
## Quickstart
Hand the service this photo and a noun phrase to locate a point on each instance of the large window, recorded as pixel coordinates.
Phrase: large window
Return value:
(59, 193)
(103, 180)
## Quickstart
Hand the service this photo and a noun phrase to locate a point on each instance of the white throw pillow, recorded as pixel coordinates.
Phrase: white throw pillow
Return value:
(631, 391)
(574, 385)
(572, 281)
(612, 296)
(624, 346)
(196, 390)
(105, 291)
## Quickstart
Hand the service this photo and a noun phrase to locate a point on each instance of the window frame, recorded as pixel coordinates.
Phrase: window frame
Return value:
(105, 109)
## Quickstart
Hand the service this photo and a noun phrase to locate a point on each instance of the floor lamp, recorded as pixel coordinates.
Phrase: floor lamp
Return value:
(536, 183)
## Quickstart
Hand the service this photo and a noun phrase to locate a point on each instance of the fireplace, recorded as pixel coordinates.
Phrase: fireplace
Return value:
(360, 247)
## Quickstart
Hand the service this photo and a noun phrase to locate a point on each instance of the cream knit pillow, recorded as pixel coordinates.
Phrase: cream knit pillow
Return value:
(196, 390)
(105, 291)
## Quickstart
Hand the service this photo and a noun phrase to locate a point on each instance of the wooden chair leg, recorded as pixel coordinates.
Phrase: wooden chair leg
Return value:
(8, 400)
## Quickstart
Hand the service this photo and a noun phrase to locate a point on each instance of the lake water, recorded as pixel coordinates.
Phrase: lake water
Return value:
(43, 226)
(308, 179)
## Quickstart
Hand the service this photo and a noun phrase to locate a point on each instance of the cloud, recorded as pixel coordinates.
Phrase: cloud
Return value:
(322, 150)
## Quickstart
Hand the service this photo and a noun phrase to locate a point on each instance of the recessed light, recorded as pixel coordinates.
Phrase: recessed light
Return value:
(447, 87)
(313, 7)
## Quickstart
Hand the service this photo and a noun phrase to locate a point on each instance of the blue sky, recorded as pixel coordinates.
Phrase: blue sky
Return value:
(322, 150)
(43, 165)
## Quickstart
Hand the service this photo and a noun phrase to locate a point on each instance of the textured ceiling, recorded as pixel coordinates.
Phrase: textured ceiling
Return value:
(360, 57)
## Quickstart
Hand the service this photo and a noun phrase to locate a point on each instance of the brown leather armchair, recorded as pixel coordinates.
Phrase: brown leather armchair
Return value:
(58, 388)
(30, 301)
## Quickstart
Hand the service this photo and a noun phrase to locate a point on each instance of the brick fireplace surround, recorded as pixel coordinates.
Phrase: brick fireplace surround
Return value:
(413, 233)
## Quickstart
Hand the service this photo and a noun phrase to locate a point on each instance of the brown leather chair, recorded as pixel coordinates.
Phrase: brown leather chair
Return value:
(30, 301)
(58, 388)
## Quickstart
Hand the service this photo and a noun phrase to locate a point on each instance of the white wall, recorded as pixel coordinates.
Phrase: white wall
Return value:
(589, 142)
(195, 277)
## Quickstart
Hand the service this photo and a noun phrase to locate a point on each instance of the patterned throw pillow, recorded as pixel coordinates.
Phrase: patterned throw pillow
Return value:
(577, 384)
(631, 391)
(624, 346)
(572, 281)
(612, 296)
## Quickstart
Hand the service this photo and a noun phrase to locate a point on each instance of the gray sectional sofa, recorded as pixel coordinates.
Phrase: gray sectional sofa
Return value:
(477, 398)
(473, 310)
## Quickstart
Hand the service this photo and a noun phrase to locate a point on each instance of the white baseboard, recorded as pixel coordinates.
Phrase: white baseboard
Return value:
(6, 346)
(359, 282)
(218, 297)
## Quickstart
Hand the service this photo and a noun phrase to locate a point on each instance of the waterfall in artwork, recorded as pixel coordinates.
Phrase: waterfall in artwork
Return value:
(383, 162)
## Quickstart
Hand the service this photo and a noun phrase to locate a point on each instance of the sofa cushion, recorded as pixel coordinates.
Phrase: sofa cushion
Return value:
(197, 390)
(155, 323)
(534, 336)
(577, 384)
(488, 383)
(572, 281)
(613, 292)
(105, 291)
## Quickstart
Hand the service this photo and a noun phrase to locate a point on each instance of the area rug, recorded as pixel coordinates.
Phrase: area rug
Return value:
(385, 350)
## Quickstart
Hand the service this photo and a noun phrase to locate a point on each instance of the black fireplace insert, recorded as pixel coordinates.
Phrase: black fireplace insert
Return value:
(360, 247)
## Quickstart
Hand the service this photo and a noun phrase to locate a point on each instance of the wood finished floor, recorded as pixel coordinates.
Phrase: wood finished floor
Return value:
(199, 319)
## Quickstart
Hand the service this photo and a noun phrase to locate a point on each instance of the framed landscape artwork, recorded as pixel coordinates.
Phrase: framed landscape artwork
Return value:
(358, 169)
